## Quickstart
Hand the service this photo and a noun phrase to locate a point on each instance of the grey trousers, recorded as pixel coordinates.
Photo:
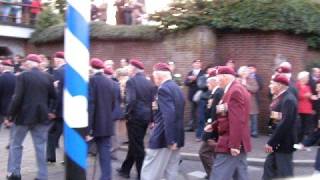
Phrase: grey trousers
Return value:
(227, 167)
(159, 163)
(39, 134)
(278, 165)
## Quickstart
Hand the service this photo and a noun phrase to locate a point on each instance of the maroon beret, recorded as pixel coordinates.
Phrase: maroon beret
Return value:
(282, 79)
(136, 63)
(283, 69)
(108, 71)
(212, 72)
(161, 67)
(7, 63)
(59, 54)
(225, 70)
(34, 58)
(96, 63)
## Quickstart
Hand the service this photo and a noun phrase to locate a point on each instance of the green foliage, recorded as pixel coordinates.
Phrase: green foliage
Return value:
(100, 31)
(296, 16)
(47, 18)
(313, 63)
(60, 5)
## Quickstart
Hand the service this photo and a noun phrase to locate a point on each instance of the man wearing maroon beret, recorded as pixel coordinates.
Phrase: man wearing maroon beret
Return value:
(100, 108)
(56, 130)
(279, 147)
(139, 96)
(30, 111)
(232, 125)
(167, 135)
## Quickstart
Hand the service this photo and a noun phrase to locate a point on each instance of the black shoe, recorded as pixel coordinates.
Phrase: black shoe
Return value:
(14, 177)
(7, 147)
(188, 129)
(122, 174)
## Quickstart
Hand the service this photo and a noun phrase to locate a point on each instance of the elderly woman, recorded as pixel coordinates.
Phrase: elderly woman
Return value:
(252, 86)
(304, 105)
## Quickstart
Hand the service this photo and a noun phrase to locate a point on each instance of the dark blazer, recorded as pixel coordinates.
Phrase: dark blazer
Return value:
(284, 136)
(139, 96)
(168, 118)
(58, 75)
(211, 112)
(215, 99)
(7, 85)
(32, 96)
(233, 126)
(117, 111)
(101, 105)
(193, 88)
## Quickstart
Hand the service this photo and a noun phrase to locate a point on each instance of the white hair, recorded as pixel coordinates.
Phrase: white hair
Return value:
(302, 75)
(286, 64)
(243, 69)
(212, 79)
(163, 74)
(32, 64)
(94, 71)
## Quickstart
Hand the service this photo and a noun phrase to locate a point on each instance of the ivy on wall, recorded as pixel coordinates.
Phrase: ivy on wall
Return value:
(295, 16)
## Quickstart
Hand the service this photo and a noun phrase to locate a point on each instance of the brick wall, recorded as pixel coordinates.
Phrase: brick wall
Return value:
(261, 49)
(182, 48)
(249, 47)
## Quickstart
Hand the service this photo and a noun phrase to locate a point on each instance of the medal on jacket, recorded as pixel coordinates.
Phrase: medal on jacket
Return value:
(276, 116)
(209, 105)
(155, 106)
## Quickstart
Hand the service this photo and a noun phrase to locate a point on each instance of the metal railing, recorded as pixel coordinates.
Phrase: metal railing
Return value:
(19, 14)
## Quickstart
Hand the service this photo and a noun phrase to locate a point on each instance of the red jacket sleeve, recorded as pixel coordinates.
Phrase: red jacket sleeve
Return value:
(237, 116)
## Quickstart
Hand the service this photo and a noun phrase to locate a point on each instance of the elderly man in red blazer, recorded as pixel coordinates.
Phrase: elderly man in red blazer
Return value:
(232, 126)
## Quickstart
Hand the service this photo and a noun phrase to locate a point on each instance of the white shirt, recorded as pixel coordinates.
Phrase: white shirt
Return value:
(195, 72)
(228, 86)
(214, 90)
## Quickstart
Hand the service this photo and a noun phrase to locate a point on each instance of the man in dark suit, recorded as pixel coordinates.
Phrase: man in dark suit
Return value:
(206, 151)
(117, 113)
(7, 85)
(57, 123)
(167, 135)
(139, 96)
(30, 111)
(232, 126)
(191, 82)
(101, 106)
(279, 147)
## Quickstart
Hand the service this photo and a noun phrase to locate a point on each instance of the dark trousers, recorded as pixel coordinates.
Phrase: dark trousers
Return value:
(53, 138)
(317, 164)
(136, 153)
(307, 125)
(104, 152)
(278, 165)
(194, 111)
(206, 155)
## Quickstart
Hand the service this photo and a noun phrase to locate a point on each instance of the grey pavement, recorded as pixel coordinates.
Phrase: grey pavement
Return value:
(189, 169)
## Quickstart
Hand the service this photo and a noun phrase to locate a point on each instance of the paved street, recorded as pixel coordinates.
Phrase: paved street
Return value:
(190, 169)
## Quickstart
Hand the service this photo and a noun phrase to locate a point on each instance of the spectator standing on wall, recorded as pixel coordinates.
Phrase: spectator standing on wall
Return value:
(26, 11)
(16, 11)
(35, 10)
(5, 10)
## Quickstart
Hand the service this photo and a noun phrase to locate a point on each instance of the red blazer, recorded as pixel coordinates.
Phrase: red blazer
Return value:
(233, 126)
(304, 103)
